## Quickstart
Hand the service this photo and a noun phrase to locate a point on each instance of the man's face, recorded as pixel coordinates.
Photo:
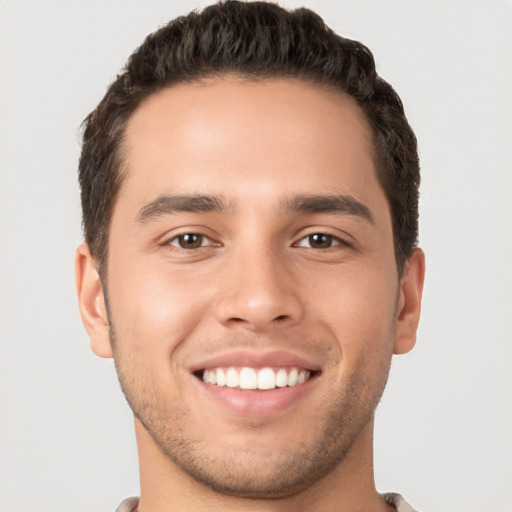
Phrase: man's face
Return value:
(251, 233)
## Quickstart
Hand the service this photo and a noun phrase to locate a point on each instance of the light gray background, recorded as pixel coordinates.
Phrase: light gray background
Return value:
(445, 425)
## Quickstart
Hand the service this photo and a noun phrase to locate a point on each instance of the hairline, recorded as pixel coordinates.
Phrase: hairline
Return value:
(322, 83)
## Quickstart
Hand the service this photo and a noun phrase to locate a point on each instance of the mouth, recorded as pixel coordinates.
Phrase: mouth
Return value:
(248, 378)
(255, 384)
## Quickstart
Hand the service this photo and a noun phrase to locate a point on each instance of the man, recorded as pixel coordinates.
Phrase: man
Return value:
(249, 194)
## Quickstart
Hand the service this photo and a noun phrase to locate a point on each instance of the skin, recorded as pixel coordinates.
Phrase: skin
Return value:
(257, 283)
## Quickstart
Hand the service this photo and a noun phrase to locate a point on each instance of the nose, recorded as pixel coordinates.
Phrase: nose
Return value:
(259, 292)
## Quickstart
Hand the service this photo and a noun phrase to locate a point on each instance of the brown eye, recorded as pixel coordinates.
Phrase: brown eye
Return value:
(319, 241)
(189, 241)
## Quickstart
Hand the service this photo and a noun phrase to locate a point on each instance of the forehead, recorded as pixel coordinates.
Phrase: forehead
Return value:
(247, 140)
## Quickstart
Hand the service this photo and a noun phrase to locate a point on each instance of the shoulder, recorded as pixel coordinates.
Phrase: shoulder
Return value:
(128, 505)
(395, 500)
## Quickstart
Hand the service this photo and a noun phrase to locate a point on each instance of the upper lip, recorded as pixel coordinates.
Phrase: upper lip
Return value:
(256, 359)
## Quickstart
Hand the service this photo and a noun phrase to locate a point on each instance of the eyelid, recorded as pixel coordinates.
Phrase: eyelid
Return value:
(211, 238)
(340, 239)
(176, 238)
(336, 241)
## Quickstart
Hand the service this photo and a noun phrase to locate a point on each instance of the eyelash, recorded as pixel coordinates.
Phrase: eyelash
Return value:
(333, 240)
(177, 239)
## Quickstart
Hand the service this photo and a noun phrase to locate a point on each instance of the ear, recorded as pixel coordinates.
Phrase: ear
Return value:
(91, 302)
(409, 302)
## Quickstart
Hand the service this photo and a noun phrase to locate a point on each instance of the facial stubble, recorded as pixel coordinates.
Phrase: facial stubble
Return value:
(247, 471)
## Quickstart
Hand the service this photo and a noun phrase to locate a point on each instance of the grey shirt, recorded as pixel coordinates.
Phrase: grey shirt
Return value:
(394, 499)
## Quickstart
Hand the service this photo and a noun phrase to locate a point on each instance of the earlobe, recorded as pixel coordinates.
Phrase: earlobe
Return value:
(91, 302)
(409, 302)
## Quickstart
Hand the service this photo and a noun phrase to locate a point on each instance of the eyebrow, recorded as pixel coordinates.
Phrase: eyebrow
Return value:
(339, 204)
(165, 204)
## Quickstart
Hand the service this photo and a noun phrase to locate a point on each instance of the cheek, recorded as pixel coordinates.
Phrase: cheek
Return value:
(358, 306)
(154, 309)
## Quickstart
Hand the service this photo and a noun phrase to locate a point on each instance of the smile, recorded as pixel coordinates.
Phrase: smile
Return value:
(256, 384)
(256, 378)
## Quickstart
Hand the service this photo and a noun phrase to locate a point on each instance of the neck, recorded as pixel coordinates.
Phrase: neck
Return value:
(348, 487)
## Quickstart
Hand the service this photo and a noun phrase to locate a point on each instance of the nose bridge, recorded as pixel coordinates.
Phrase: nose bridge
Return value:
(257, 290)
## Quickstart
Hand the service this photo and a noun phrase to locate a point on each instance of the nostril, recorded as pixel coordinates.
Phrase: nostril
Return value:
(280, 318)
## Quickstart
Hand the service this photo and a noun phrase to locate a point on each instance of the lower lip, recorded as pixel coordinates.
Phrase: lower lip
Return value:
(256, 402)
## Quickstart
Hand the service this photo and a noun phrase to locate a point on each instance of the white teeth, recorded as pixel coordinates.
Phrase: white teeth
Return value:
(293, 377)
(281, 378)
(251, 378)
(232, 378)
(210, 377)
(248, 379)
(221, 377)
(266, 379)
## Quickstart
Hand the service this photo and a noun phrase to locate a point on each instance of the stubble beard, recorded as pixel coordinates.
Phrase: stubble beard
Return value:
(242, 472)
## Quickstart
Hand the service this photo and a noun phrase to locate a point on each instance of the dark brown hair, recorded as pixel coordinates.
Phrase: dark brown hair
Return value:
(256, 40)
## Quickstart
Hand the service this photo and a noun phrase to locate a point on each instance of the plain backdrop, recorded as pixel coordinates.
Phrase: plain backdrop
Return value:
(444, 427)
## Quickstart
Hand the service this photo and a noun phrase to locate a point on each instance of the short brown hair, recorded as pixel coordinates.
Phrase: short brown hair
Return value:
(254, 40)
